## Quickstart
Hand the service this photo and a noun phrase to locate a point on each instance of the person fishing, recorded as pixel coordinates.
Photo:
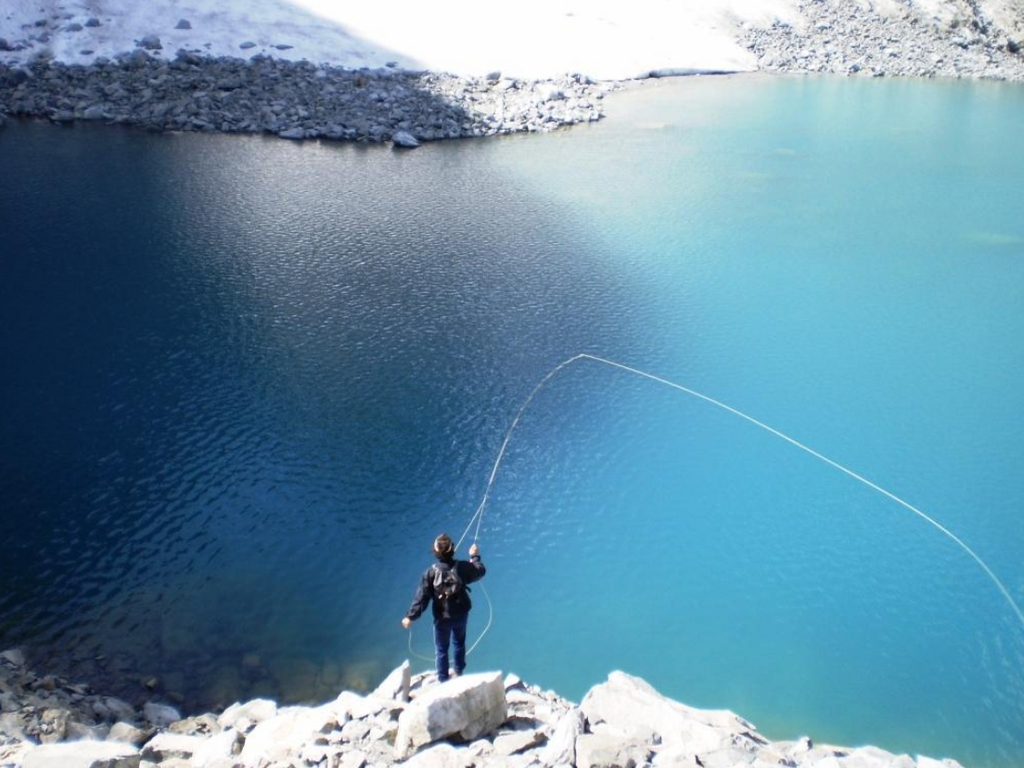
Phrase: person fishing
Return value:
(446, 582)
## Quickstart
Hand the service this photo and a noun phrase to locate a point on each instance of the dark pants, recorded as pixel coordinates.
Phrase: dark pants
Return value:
(444, 630)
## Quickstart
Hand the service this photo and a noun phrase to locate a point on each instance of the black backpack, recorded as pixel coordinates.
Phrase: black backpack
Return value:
(449, 588)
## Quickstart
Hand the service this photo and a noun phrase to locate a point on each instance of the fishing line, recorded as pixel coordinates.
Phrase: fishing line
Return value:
(478, 515)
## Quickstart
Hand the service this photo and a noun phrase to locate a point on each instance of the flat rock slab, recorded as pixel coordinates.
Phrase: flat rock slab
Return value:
(464, 708)
(83, 754)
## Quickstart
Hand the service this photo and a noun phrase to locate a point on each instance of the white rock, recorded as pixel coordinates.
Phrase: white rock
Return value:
(609, 750)
(512, 680)
(357, 707)
(396, 685)
(255, 711)
(928, 762)
(165, 746)
(561, 747)
(518, 741)
(404, 139)
(127, 733)
(466, 707)
(352, 758)
(222, 746)
(160, 715)
(287, 732)
(83, 754)
(441, 756)
(549, 92)
(629, 704)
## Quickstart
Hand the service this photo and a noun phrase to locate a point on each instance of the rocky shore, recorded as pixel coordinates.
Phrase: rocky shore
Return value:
(845, 37)
(486, 720)
(293, 100)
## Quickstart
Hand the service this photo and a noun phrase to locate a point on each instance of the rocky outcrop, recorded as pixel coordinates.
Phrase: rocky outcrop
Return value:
(479, 720)
(465, 708)
(293, 100)
(900, 39)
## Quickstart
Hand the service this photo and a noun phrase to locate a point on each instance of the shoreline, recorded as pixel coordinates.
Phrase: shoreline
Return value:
(485, 720)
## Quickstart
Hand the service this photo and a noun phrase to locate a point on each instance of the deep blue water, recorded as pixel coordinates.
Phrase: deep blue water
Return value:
(246, 381)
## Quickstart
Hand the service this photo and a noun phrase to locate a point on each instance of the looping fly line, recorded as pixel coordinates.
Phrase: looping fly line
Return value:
(478, 515)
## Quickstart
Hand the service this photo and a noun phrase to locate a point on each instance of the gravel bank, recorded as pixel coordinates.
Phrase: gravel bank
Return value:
(843, 37)
(293, 100)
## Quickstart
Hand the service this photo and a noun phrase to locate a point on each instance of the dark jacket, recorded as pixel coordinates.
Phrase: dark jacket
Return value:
(469, 572)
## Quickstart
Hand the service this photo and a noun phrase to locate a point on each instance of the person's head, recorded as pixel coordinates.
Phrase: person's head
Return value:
(444, 549)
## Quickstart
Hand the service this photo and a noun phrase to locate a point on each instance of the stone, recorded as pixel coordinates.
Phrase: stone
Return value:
(609, 750)
(160, 715)
(464, 708)
(83, 754)
(224, 746)
(74, 27)
(92, 22)
(14, 656)
(247, 45)
(928, 762)
(561, 747)
(256, 711)
(286, 732)
(165, 746)
(150, 43)
(512, 680)
(183, 24)
(404, 139)
(440, 756)
(518, 741)
(629, 704)
(395, 685)
(112, 708)
(352, 758)
(198, 725)
(128, 734)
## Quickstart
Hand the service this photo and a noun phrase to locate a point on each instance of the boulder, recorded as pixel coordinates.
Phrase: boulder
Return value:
(150, 43)
(440, 756)
(223, 746)
(464, 708)
(160, 715)
(165, 746)
(561, 747)
(83, 754)
(92, 22)
(609, 750)
(287, 732)
(255, 711)
(396, 685)
(183, 24)
(629, 704)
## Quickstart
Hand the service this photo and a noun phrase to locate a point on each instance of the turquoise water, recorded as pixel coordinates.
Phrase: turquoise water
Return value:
(248, 381)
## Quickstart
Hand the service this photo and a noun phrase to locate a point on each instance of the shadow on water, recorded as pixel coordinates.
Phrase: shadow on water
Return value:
(249, 379)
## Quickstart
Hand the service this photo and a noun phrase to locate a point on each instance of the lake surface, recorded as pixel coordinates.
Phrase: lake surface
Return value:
(247, 381)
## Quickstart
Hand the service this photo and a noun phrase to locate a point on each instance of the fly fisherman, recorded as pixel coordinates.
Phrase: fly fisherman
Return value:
(447, 583)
